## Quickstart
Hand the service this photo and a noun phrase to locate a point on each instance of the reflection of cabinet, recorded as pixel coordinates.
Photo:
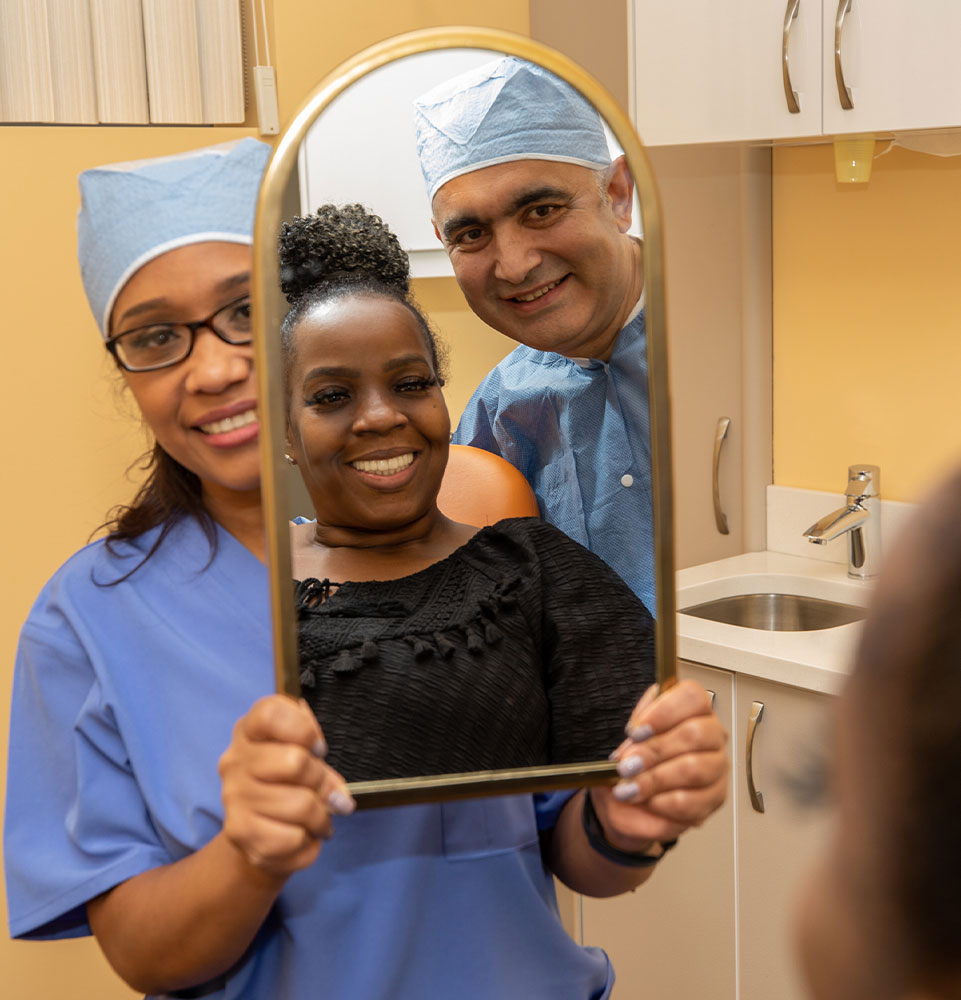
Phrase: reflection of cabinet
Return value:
(709, 72)
(715, 919)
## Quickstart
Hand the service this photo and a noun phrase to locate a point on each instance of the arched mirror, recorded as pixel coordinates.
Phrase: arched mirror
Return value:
(353, 141)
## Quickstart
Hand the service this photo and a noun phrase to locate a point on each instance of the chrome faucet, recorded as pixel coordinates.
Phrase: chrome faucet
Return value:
(859, 518)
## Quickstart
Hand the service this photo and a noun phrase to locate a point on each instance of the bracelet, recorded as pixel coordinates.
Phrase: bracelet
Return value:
(600, 843)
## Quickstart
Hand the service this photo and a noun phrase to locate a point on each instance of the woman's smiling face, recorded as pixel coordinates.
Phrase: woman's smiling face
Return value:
(368, 424)
(201, 410)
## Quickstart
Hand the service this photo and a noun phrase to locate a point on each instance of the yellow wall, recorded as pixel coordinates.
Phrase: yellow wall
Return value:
(68, 434)
(867, 335)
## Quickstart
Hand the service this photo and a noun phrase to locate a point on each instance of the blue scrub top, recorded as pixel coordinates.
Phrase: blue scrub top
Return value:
(579, 431)
(124, 698)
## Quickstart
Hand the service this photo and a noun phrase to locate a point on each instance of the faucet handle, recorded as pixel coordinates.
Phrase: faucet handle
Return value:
(863, 481)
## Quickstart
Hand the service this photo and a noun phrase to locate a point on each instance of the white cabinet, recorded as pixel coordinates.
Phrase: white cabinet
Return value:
(776, 847)
(715, 919)
(765, 69)
(900, 62)
(711, 72)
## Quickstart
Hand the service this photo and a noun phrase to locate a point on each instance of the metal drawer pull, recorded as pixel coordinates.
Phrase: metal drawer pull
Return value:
(844, 93)
(713, 695)
(757, 800)
(790, 94)
(720, 517)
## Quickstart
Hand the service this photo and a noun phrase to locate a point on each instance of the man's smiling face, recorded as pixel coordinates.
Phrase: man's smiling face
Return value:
(540, 250)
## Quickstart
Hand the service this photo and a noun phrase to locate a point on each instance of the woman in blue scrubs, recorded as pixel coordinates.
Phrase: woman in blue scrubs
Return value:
(150, 803)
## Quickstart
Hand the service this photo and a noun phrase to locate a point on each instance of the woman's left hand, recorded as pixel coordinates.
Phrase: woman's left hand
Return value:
(673, 767)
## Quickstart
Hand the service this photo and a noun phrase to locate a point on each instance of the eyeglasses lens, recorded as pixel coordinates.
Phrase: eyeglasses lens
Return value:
(164, 344)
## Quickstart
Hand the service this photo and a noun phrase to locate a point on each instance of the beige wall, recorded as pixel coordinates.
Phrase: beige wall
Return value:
(867, 335)
(68, 434)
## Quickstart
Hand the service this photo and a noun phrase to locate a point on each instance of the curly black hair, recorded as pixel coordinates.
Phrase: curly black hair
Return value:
(346, 250)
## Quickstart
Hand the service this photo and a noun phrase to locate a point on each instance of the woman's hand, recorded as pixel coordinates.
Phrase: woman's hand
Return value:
(673, 767)
(187, 922)
(278, 792)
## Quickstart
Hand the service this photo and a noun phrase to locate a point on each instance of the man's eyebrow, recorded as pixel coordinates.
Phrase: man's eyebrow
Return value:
(457, 222)
(546, 191)
(538, 194)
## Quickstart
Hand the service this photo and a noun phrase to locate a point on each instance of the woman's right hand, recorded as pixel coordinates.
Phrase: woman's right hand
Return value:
(278, 792)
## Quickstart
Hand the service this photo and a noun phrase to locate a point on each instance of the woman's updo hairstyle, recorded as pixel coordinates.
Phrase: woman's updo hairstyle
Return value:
(340, 251)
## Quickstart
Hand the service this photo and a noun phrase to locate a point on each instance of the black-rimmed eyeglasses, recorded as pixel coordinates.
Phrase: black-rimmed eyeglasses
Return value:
(160, 345)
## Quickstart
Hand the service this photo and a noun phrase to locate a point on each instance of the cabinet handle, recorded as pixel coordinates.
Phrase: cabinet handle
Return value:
(720, 518)
(844, 93)
(713, 695)
(790, 94)
(757, 800)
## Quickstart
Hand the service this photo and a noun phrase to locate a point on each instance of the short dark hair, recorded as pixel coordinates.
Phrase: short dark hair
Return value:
(346, 250)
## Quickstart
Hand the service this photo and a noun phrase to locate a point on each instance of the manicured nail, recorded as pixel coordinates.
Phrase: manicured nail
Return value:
(631, 766)
(319, 749)
(626, 791)
(639, 734)
(340, 803)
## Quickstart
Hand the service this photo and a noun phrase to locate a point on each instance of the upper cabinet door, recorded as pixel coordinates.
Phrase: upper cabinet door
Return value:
(717, 72)
(898, 65)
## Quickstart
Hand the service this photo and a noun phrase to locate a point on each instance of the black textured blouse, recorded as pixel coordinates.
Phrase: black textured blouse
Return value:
(520, 648)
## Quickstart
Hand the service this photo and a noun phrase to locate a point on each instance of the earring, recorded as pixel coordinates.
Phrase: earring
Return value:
(291, 461)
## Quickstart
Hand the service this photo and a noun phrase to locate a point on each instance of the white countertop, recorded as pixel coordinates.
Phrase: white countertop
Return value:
(816, 660)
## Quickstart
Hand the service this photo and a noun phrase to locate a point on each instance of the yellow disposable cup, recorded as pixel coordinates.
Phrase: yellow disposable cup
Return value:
(853, 155)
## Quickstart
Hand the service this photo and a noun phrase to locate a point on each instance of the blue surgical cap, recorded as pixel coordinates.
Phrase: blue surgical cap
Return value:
(131, 213)
(505, 110)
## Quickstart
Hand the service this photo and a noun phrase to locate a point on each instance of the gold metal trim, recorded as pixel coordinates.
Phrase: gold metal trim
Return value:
(844, 91)
(472, 784)
(268, 306)
(720, 518)
(790, 94)
(757, 799)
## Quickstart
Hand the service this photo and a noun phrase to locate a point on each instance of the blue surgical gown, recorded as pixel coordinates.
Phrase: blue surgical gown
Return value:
(124, 698)
(579, 431)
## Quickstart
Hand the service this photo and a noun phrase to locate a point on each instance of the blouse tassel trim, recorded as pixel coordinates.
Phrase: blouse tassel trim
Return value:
(479, 632)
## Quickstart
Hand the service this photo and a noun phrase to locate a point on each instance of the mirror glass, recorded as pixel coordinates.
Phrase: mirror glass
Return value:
(359, 147)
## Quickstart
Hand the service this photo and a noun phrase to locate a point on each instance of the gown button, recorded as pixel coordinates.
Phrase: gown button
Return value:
(627, 479)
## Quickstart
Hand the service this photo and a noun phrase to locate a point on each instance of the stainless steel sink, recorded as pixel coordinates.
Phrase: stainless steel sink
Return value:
(777, 612)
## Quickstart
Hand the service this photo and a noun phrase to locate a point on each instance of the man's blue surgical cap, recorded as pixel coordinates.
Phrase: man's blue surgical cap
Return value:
(505, 110)
(131, 213)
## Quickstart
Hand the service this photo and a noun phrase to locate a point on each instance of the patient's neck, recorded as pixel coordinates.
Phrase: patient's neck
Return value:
(350, 552)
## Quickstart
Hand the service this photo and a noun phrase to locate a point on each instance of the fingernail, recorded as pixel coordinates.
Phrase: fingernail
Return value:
(319, 749)
(626, 791)
(340, 803)
(630, 766)
(639, 734)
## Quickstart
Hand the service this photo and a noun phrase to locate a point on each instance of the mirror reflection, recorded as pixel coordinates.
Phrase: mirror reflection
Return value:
(440, 632)
(533, 213)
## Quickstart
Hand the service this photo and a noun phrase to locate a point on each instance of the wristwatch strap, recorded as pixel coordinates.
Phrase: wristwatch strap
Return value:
(597, 840)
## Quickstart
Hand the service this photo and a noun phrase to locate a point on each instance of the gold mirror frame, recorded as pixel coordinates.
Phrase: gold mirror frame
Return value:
(268, 305)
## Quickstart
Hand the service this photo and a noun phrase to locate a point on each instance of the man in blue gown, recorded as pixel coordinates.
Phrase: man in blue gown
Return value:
(535, 216)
